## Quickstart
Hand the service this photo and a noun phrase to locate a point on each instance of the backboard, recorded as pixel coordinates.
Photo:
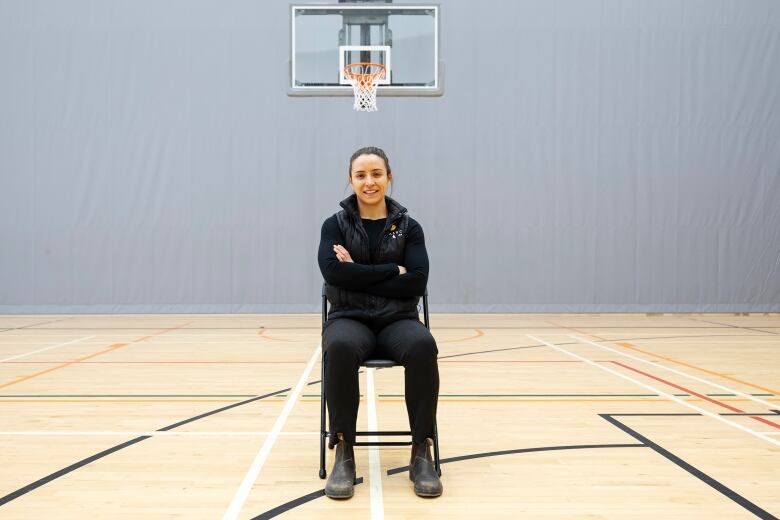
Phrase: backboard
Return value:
(402, 37)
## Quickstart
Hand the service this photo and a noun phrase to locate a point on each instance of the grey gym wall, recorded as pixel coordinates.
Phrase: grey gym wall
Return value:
(614, 155)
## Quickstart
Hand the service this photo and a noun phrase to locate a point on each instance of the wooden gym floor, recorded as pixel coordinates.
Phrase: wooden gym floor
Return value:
(540, 416)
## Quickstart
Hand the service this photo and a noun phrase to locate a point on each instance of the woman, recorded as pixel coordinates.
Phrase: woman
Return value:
(373, 258)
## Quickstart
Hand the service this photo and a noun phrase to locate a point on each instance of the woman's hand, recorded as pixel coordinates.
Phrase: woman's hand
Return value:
(401, 270)
(342, 254)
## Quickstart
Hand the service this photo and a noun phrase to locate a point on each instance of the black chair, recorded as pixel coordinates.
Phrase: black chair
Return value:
(369, 363)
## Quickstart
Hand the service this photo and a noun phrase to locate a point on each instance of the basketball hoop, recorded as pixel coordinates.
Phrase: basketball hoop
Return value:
(363, 77)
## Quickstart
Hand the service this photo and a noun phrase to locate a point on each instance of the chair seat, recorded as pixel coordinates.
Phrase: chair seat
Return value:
(379, 363)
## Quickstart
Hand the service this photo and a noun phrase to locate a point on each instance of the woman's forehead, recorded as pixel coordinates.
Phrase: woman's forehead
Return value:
(368, 160)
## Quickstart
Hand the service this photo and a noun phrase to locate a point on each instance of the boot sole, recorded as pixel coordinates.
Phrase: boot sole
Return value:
(339, 497)
(427, 495)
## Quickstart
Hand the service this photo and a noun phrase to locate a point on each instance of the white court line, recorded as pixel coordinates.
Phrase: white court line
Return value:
(374, 462)
(659, 392)
(700, 380)
(151, 434)
(44, 349)
(251, 476)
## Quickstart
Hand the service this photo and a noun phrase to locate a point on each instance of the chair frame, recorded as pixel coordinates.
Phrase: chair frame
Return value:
(368, 363)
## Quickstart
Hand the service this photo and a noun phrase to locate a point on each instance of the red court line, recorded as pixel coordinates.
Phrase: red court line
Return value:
(700, 396)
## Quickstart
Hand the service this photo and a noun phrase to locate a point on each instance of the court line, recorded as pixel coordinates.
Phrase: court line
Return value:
(242, 493)
(708, 399)
(689, 376)
(36, 324)
(262, 332)
(45, 349)
(559, 325)
(479, 334)
(374, 461)
(278, 510)
(27, 377)
(95, 396)
(653, 389)
(155, 433)
(727, 325)
(120, 401)
(499, 453)
(101, 454)
(624, 344)
(649, 399)
(721, 488)
(162, 362)
(689, 365)
(111, 348)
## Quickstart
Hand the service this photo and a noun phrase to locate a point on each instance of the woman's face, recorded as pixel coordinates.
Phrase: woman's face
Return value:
(369, 179)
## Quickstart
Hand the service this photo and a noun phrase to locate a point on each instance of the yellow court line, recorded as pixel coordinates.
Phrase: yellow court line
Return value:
(111, 348)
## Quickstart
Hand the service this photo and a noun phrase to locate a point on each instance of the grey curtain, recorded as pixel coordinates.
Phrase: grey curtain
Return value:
(617, 155)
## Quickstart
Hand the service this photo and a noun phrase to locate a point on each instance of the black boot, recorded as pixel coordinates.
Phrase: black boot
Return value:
(341, 482)
(422, 471)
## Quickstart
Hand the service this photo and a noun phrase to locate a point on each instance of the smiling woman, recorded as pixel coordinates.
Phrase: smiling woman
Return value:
(372, 255)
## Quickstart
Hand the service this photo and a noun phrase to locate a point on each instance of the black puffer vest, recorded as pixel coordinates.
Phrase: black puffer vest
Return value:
(362, 306)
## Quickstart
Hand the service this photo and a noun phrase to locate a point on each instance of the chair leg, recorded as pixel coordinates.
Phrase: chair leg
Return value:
(436, 449)
(323, 433)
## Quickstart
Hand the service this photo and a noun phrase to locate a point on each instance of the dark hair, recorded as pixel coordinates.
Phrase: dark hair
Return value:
(370, 150)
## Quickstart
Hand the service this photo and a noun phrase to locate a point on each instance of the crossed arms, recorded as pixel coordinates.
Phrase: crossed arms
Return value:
(380, 279)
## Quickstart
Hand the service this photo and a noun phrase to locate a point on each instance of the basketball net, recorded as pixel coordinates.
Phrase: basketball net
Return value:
(363, 77)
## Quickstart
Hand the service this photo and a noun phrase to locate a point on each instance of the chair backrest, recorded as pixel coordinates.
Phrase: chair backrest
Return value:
(325, 307)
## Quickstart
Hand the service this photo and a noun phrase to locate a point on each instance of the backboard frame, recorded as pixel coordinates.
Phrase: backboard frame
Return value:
(436, 89)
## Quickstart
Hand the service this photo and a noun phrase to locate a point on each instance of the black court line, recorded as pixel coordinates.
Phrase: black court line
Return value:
(721, 488)
(495, 350)
(602, 341)
(73, 467)
(522, 450)
(36, 324)
(278, 510)
(729, 325)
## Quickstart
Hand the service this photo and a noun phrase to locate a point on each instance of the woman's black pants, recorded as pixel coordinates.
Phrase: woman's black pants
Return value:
(347, 343)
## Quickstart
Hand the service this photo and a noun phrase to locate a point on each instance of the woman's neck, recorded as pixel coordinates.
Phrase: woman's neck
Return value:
(373, 211)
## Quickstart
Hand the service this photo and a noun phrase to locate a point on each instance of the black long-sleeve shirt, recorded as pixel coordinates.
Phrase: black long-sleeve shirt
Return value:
(380, 279)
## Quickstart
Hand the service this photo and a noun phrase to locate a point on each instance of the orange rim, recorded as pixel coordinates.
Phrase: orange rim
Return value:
(364, 77)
